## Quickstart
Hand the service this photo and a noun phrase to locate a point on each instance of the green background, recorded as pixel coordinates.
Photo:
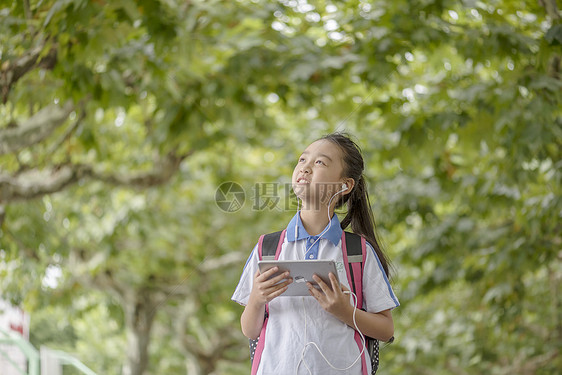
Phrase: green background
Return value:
(120, 119)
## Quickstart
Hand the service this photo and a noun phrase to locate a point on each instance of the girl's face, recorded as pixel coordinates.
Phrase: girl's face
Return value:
(318, 173)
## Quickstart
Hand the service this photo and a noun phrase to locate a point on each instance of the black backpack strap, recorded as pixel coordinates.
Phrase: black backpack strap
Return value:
(353, 244)
(354, 254)
(269, 245)
(373, 348)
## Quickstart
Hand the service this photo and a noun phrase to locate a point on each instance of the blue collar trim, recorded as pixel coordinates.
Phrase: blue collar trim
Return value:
(333, 234)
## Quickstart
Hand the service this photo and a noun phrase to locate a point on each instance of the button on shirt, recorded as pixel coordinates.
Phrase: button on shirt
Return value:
(296, 321)
(311, 248)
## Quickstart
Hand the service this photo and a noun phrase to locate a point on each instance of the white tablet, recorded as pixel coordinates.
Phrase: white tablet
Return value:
(301, 271)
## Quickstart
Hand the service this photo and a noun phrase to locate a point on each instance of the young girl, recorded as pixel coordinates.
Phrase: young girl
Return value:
(315, 335)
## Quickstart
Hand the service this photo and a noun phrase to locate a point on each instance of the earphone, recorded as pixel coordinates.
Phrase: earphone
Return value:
(344, 187)
(297, 221)
(363, 340)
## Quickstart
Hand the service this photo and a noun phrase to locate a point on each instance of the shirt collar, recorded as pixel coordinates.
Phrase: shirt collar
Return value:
(333, 234)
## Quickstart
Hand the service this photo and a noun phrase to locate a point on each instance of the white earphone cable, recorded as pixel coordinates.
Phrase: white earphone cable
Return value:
(308, 343)
(329, 222)
(298, 217)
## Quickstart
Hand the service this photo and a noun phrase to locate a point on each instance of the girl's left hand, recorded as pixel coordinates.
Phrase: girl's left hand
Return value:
(333, 299)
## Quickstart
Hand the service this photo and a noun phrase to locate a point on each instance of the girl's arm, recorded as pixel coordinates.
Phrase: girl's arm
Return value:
(379, 325)
(263, 291)
(252, 319)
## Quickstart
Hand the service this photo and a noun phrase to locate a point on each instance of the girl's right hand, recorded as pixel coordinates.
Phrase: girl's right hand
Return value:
(265, 289)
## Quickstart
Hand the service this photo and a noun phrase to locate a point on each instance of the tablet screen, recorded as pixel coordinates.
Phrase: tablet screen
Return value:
(301, 271)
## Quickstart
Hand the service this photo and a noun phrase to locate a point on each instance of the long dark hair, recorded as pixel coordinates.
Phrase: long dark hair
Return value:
(359, 212)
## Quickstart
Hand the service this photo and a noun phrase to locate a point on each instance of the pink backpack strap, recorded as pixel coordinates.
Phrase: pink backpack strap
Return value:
(260, 247)
(354, 271)
(261, 344)
(270, 242)
(280, 244)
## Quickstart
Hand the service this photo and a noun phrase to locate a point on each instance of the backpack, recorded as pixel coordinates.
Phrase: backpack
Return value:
(354, 252)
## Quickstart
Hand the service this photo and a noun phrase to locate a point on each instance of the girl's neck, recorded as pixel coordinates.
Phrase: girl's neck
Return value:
(315, 220)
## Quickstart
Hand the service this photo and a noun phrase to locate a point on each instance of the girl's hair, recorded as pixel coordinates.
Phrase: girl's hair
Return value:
(359, 212)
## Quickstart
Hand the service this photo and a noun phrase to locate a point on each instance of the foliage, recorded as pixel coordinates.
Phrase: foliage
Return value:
(119, 120)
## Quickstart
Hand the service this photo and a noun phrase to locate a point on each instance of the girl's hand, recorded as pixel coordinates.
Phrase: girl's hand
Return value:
(265, 289)
(333, 299)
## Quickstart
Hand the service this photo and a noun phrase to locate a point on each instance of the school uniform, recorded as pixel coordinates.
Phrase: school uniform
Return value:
(295, 321)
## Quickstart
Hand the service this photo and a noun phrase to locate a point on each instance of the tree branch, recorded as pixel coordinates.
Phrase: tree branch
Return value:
(35, 183)
(160, 174)
(81, 268)
(28, 16)
(55, 146)
(551, 9)
(34, 129)
(12, 71)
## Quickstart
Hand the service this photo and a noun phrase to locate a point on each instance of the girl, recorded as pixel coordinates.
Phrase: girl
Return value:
(315, 335)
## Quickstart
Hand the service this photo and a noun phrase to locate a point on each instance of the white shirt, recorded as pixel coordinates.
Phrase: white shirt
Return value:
(295, 321)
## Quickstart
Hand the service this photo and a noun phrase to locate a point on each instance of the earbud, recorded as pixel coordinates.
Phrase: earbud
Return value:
(344, 186)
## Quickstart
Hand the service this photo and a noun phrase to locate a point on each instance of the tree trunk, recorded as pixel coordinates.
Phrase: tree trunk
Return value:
(192, 365)
(140, 310)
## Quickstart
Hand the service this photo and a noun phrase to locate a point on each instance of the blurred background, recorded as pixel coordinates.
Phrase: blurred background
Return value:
(145, 146)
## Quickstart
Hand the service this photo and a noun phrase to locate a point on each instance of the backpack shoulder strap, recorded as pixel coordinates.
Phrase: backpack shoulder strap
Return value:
(269, 248)
(355, 250)
(269, 245)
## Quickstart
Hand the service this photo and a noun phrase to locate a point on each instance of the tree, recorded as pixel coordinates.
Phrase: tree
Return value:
(111, 93)
(120, 119)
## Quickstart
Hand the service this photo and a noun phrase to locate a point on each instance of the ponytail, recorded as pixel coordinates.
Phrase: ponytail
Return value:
(360, 216)
(359, 212)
